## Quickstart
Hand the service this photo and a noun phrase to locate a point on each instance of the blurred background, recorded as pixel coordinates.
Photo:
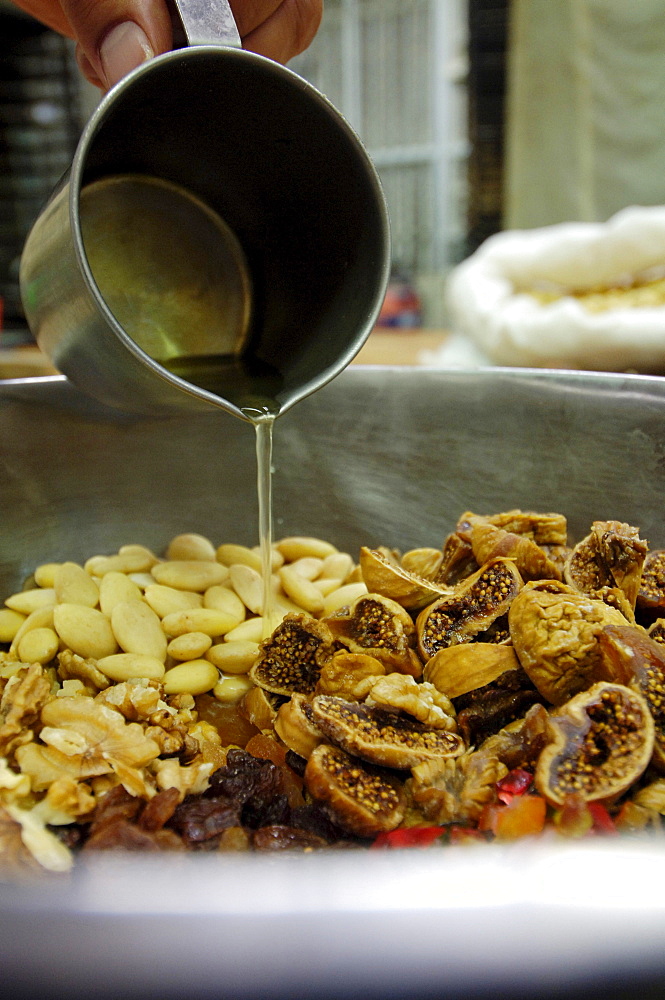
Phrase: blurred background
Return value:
(480, 115)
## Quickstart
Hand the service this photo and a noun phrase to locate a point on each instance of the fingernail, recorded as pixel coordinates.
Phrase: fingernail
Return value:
(124, 48)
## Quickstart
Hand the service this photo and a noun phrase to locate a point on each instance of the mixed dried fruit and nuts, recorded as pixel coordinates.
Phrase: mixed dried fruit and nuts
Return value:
(507, 684)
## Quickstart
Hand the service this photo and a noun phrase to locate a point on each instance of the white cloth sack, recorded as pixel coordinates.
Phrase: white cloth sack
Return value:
(487, 304)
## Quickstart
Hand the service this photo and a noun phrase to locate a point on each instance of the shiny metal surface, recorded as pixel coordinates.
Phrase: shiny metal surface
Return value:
(386, 456)
(285, 173)
(207, 22)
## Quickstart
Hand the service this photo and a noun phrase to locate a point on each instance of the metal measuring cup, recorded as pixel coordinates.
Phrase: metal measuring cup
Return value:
(220, 238)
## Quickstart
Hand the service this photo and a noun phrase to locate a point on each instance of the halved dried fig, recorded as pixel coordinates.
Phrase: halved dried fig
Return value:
(382, 737)
(657, 630)
(635, 659)
(381, 627)
(651, 593)
(601, 742)
(361, 800)
(458, 560)
(260, 707)
(555, 635)
(384, 575)
(349, 675)
(611, 555)
(489, 542)
(455, 670)
(290, 660)
(472, 607)
(296, 727)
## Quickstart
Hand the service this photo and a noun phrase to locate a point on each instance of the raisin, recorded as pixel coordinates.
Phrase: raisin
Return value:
(277, 837)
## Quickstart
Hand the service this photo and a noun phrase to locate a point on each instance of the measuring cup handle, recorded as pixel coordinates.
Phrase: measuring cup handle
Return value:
(204, 22)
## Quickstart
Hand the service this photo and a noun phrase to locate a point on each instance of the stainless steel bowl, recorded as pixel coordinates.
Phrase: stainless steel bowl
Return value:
(386, 456)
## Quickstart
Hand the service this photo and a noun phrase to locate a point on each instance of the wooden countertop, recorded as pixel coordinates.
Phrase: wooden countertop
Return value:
(383, 347)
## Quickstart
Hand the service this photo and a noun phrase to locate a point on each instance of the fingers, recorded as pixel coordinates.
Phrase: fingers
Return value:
(284, 33)
(115, 36)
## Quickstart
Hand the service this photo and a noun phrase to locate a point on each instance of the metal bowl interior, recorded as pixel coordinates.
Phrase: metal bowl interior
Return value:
(379, 456)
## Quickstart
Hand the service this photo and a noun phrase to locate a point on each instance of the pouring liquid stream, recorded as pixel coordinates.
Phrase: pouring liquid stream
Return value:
(263, 425)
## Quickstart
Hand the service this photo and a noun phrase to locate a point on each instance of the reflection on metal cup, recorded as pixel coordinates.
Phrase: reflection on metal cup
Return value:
(221, 235)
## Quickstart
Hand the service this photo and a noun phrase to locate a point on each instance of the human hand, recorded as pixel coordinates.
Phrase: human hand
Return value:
(114, 36)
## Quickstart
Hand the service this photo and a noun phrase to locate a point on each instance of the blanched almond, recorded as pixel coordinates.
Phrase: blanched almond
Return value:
(138, 629)
(86, 631)
(114, 588)
(167, 600)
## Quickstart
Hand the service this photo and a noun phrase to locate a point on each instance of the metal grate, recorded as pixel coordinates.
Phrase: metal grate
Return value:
(39, 128)
(396, 70)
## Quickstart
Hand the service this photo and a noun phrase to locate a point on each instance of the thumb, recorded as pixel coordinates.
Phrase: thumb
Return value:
(116, 36)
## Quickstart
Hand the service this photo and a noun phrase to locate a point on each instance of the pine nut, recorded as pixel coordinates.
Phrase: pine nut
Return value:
(41, 618)
(231, 690)
(124, 666)
(10, 623)
(73, 585)
(39, 645)
(248, 585)
(167, 600)
(138, 629)
(208, 620)
(248, 631)
(126, 562)
(191, 546)
(194, 677)
(189, 646)
(114, 588)
(230, 555)
(297, 546)
(233, 657)
(86, 631)
(45, 574)
(190, 574)
(223, 599)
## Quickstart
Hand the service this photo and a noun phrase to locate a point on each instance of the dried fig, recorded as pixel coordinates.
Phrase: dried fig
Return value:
(361, 800)
(290, 660)
(381, 627)
(349, 675)
(612, 555)
(601, 742)
(382, 737)
(651, 593)
(555, 635)
(384, 575)
(473, 606)
(489, 542)
(296, 727)
(455, 670)
(635, 659)
(458, 560)
(544, 529)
